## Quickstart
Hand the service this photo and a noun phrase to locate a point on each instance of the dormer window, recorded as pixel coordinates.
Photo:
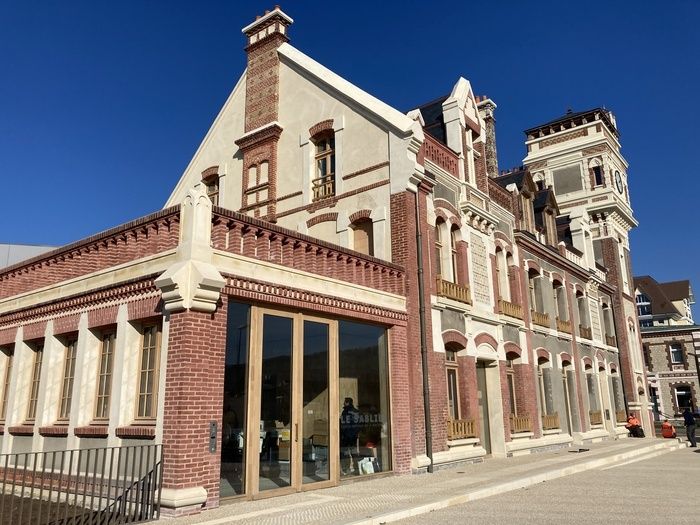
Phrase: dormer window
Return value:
(323, 184)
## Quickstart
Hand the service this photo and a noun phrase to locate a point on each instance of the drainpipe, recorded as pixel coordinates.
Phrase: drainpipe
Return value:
(423, 341)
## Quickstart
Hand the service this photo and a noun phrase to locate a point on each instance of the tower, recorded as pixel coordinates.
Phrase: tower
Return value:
(579, 155)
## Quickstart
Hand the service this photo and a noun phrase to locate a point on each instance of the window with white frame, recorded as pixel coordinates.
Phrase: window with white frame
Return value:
(676, 351)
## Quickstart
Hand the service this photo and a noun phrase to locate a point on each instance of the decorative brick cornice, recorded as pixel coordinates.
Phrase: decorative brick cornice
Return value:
(94, 242)
(324, 217)
(92, 431)
(128, 291)
(136, 432)
(285, 295)
(251, 139)
(54, 431)
(21, 430)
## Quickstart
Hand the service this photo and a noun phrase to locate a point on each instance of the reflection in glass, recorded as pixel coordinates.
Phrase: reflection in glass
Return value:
(275, 403)
(363, 391)
(234, 415)
(315, 431)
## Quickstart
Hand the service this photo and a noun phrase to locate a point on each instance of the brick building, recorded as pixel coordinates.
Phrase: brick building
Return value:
(336, 289)
(671, 342)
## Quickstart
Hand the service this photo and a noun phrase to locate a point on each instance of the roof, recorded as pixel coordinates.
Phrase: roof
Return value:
(434, 118)
(658, 293)
(677, 290)
(669, 328)
(517, 177)
(575, 118)
(544, 198)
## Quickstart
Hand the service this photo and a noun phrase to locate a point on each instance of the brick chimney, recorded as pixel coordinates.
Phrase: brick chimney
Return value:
(486, 109)
(262, 131)
(265, 35)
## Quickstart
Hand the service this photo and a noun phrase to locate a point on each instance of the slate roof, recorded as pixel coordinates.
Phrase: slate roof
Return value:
(434, 119)
(658, 293)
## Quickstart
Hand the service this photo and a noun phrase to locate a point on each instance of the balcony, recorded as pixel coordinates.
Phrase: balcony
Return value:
(585, 332)
(596, 417)
(461, 429)
(510, 309)
(550, 421)
(520, 424)
(621, 416)
(610, 340)
(458, 292)
(564, 326)
(539, 318)
(323, 187)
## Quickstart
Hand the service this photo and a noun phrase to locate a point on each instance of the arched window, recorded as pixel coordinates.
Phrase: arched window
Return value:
(363, 236)
(323, 183)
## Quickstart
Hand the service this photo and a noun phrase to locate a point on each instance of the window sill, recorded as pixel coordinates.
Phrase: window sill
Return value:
(92, 431)
(21, 430)
(136, 431)
(54, 431)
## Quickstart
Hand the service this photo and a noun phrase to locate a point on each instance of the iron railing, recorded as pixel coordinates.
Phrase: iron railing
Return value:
(98, 486)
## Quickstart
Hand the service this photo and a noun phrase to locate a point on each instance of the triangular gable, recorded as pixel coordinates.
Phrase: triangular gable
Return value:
(392, 117)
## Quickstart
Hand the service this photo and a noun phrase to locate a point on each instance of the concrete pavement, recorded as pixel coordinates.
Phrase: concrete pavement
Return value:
(392, 498)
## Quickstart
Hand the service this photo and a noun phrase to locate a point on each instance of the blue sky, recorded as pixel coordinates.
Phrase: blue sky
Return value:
(102, 104)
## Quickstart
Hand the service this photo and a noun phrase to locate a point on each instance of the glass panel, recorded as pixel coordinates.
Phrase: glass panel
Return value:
(235, 401)
(276, 403)
(363, 379)
(315, 413)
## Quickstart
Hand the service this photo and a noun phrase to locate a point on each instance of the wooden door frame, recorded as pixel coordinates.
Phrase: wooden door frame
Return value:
(252, 466)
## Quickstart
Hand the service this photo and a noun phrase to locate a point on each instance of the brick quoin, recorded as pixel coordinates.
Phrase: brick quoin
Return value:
(193, 398)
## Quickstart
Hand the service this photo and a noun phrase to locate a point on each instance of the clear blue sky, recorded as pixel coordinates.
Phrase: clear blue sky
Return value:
(102, 104)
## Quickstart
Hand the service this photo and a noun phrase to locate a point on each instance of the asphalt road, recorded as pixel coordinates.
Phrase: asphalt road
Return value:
(661, 489)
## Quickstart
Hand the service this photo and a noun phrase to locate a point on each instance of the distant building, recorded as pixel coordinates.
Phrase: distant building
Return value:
(13, 253)
(671, 342)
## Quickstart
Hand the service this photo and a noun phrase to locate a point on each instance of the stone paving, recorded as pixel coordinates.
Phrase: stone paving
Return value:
(388, 498)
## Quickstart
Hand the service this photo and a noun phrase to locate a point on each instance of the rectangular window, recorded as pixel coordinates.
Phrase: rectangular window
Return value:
(104, 379)
(510, 376)
(676, 354)
(6, 384)
(36, 376)
(323, 184)
(148, 375)
(67, 385)
(598, 175)
(452, 382)
(212, 186)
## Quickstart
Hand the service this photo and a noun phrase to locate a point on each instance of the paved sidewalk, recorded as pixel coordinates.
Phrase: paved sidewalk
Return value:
(387, 499)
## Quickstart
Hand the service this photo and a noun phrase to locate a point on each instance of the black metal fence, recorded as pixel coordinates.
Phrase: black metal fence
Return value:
(97, 486)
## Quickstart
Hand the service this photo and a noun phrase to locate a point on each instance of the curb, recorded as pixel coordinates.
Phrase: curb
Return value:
(526, 481)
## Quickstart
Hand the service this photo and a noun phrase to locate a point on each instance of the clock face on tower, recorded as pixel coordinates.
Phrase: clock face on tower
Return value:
(618, 181)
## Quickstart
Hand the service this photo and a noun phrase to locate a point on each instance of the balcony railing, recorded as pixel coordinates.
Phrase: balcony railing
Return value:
(323, 187)
(621, 416)
(550, 421)
(458, 292)
(585, 332)
(520, 424)
(539, 318)
(563, 326)
(510, 309)
(461, 429)
(441, 155)
(596, 417)
(610, 340)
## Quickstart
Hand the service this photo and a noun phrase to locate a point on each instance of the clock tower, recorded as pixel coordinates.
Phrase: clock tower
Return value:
(578, 155)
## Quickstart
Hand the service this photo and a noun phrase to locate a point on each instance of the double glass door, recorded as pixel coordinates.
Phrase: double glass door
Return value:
(292, 419)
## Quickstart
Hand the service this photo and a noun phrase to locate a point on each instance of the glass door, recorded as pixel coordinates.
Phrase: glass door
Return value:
(292, 424)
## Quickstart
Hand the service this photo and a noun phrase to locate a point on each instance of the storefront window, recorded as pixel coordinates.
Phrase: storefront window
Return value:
(234, 415)
(363, 393)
